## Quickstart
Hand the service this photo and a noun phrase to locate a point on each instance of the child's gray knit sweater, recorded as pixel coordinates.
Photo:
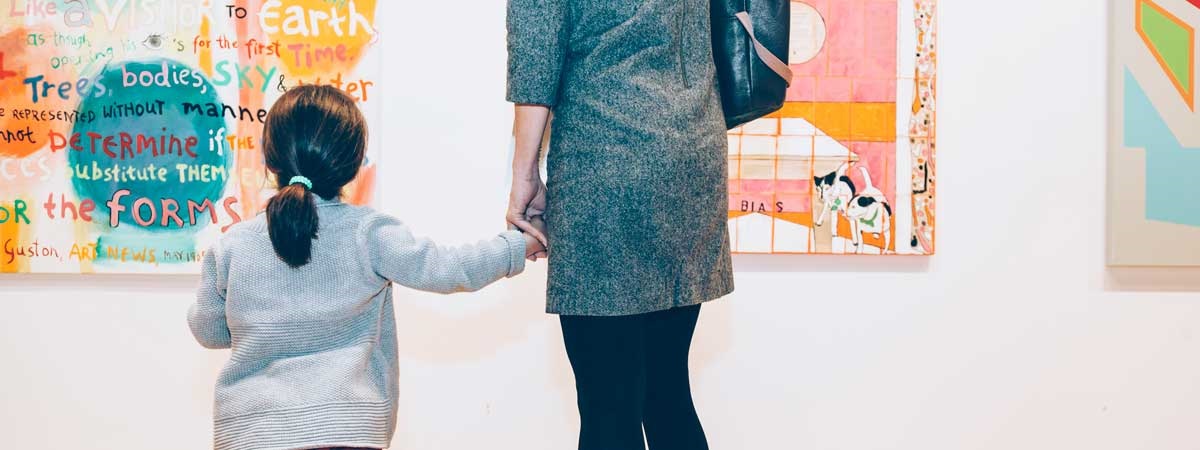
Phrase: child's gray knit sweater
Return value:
(314, 348)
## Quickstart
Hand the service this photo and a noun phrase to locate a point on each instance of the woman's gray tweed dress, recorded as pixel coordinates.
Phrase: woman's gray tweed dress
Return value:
(637, 196)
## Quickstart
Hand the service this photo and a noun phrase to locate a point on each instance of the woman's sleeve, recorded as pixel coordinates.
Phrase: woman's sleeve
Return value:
(536, 50)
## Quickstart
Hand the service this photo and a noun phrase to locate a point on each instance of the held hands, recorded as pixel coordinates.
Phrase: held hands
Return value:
(526, 205)
(534, 249)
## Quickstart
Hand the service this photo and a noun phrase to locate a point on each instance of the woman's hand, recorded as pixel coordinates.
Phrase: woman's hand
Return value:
(526, 205)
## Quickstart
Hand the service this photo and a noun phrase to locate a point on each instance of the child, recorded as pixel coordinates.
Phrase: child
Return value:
(303, 293)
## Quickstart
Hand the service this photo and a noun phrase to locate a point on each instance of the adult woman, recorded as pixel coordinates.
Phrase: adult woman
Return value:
(635, 201)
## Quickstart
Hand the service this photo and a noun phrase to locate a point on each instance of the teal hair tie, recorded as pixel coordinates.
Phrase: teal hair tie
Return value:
(299, 179)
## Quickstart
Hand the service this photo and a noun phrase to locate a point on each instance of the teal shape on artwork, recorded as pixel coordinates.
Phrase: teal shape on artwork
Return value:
(1172, 170)
(128, 151)
(156, 87)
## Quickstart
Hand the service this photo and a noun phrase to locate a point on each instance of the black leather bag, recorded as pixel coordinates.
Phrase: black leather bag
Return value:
(747, 35)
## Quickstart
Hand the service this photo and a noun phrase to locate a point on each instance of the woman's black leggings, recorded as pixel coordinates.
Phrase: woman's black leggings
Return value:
(632, 372)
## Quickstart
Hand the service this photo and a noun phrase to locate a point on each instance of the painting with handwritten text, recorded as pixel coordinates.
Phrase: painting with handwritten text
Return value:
(130, 130)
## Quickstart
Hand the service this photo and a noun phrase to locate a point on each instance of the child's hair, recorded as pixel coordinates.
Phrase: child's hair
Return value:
(318, 133)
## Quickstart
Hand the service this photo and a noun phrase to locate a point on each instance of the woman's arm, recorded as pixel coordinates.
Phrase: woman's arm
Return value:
(537, 36)
(527, 200)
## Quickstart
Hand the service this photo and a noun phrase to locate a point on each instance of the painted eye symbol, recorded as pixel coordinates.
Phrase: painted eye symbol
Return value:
(153, 42)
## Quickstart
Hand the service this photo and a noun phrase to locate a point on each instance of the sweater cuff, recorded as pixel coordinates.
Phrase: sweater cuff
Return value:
(516, 252)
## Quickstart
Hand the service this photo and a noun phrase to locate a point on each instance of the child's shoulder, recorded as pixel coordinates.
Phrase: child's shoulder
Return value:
(242, 234)
(252, 226)
(257, 225)
(373, 222)
(355, 216)
(361, 218)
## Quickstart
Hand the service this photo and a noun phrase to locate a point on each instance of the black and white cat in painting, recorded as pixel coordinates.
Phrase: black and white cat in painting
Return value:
(867, 210)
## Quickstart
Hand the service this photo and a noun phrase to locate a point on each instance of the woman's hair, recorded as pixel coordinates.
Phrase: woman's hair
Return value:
(316, 132)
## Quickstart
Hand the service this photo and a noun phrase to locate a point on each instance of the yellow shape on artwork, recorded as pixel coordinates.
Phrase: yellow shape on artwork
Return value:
(847, 121)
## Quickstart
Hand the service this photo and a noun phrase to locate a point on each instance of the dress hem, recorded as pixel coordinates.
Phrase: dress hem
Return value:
(716, 293)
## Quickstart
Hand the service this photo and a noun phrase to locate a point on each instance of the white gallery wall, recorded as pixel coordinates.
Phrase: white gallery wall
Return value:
(1014, 336)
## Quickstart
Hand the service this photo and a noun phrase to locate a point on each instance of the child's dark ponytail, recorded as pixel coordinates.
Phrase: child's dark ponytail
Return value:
(292, 223)
(314, 142)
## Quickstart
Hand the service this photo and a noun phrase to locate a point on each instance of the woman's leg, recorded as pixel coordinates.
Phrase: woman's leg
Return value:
(670, 417)
(608, 357)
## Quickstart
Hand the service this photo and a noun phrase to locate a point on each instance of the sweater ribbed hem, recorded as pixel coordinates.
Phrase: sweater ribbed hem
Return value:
(359, 424)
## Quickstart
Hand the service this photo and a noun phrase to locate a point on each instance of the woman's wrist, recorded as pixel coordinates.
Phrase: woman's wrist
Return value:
(522, 173)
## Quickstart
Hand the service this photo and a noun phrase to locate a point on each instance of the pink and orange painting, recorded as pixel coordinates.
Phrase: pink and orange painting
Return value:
(847, 165)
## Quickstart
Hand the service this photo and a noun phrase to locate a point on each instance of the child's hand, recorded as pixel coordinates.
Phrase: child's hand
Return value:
(534, 249)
